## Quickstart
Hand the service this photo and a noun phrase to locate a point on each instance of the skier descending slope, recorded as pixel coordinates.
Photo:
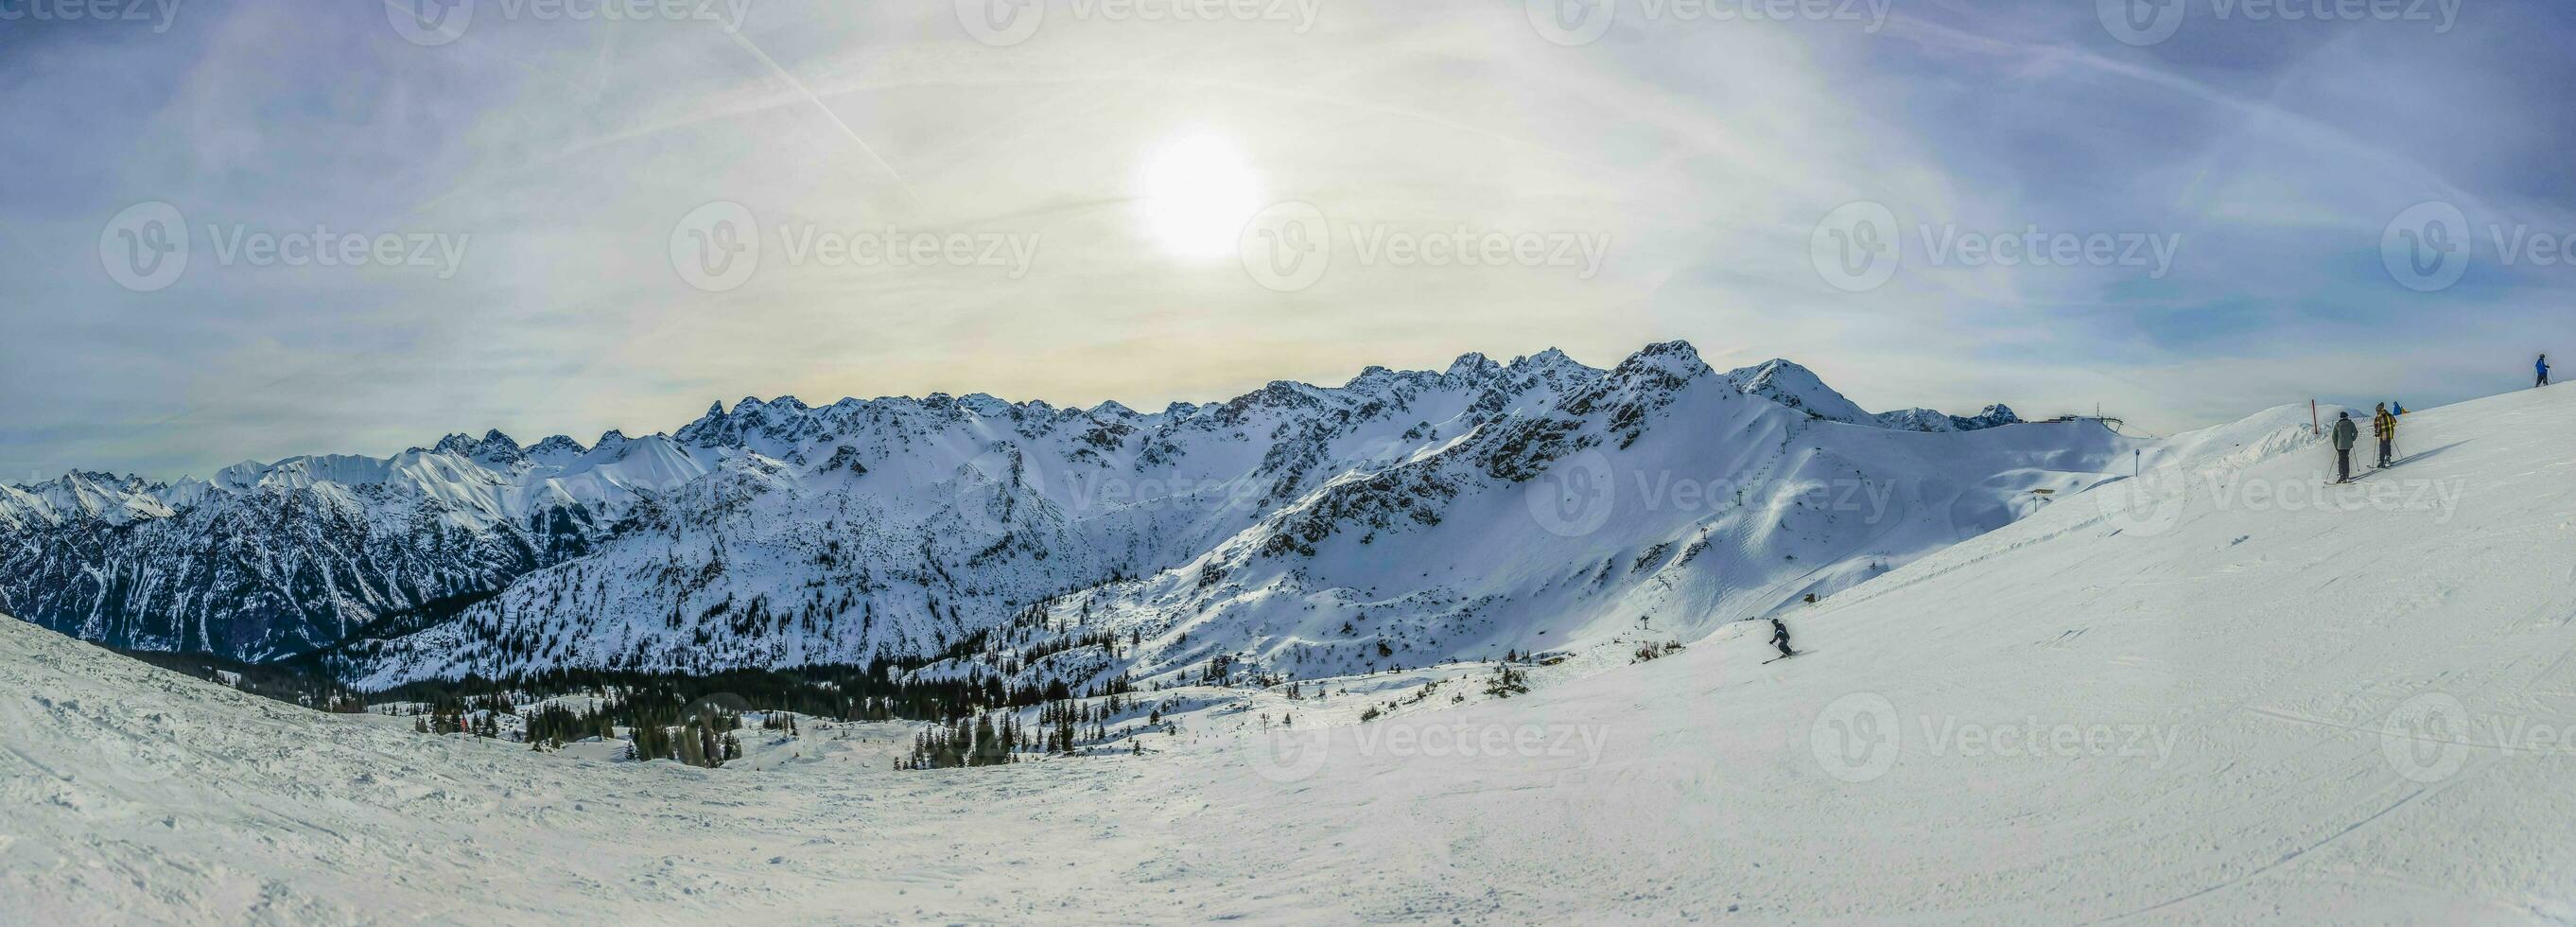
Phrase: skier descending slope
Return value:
(2344, 434)
(2384, 427)
(1780, 639)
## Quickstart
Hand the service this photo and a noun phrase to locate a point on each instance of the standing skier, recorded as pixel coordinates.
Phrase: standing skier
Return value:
(2541, 366)
(1780, 638)
(2384, 427)
(2345, 432)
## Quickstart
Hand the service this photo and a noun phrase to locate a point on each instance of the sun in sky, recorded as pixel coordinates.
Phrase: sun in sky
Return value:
(1198, 190)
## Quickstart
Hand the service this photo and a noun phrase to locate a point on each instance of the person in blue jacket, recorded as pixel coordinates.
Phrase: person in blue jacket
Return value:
(2542, 366)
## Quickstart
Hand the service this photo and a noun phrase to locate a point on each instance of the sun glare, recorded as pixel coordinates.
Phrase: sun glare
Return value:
(1198, 192)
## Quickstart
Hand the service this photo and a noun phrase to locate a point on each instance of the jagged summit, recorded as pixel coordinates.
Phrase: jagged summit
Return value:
(553, 446)
(1778, 380)
(1791, 385)
(1674, 358)
(1471, 365)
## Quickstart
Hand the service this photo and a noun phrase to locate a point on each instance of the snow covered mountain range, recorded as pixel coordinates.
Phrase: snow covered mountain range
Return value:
(1403, 518)
(2196, 703)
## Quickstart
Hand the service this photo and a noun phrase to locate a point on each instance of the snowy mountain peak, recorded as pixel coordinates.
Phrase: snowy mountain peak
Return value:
(1791, 385)
(987, 405)
(555, 448)
(1935, 421)
(1471, 366)
(1674, 358)
(1996, 414)
(494, 449)
(1550, 359)
(85, 494)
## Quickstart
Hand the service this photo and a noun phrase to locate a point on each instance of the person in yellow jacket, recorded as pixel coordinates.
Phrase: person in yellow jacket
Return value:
(2384, 427)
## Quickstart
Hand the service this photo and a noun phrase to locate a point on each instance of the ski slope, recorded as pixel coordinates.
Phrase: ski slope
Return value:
(2215, 692)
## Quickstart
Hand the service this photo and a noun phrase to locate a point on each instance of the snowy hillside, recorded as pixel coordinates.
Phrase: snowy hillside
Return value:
(2218, 692)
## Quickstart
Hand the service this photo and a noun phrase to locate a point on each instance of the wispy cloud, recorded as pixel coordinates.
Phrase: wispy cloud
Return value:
(1706, 152)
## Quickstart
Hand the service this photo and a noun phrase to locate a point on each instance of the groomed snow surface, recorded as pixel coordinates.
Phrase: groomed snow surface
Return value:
(2199, 695)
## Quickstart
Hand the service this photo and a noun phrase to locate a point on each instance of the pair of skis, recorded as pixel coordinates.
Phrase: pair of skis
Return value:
(2365, 474)
(2394, 459)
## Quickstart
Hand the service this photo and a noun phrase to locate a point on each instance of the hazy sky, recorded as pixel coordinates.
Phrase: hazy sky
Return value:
(2222, 188)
